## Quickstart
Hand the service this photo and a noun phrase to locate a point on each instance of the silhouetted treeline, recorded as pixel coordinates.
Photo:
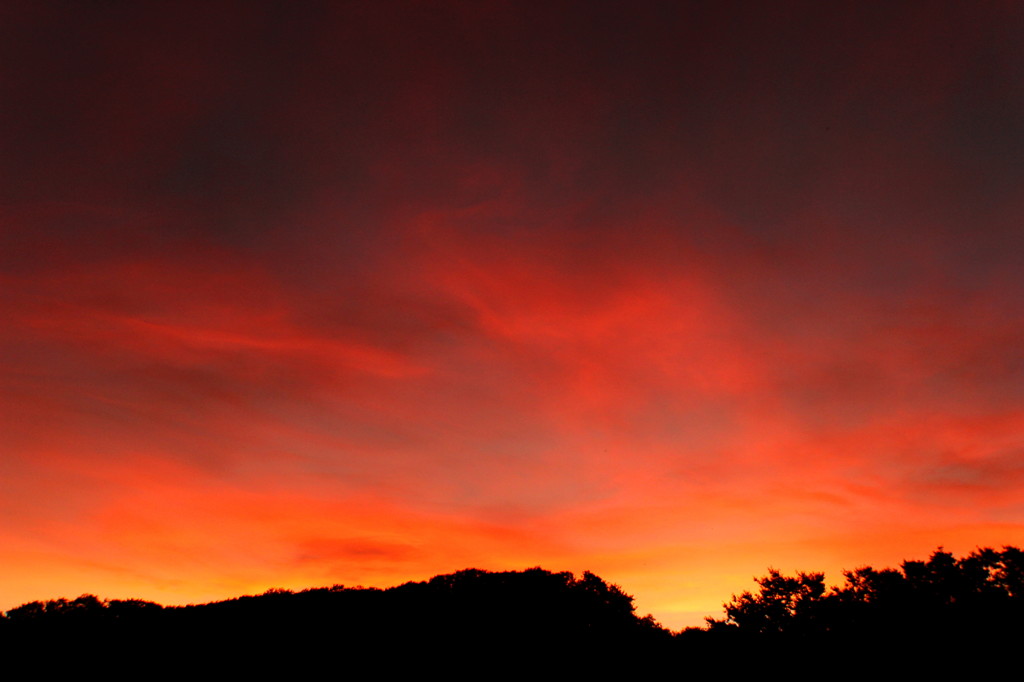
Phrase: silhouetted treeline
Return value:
(940, 611)
(982, 590)
(460, 620)
(926, 611)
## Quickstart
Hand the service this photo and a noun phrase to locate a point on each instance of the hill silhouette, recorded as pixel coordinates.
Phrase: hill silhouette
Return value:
(933, 612)
(460, 619)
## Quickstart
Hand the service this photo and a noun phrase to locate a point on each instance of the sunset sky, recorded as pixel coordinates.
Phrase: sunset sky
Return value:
(303, 293)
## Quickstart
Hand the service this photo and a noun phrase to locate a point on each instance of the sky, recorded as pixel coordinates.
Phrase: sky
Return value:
(296, 294)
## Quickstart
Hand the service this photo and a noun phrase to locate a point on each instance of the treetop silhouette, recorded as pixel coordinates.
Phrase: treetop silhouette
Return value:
(984, 590)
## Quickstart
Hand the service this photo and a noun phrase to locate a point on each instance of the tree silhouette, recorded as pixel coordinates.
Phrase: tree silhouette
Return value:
(782, 604)
(979, 596)
(972, 605)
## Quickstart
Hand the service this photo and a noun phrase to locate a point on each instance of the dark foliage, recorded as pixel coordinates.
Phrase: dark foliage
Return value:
(471, 623)
(464, 620)
(984, 589)
(943, 610)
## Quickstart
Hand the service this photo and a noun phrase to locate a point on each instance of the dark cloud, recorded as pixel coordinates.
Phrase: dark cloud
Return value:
(998, 472)
(356, 549)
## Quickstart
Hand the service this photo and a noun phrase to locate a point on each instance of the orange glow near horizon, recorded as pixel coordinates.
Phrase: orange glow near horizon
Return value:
(548, 294)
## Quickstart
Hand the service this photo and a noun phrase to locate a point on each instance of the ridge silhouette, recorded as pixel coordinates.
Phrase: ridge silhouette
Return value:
(925, 613)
